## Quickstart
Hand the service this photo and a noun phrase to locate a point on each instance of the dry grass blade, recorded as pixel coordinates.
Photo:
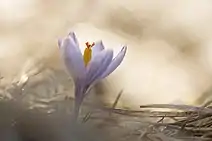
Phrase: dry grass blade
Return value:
(197, 121)
(116, 101)
(178, 107)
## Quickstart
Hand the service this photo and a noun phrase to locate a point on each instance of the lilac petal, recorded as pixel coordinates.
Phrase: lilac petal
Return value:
(97, 48)
(72, 58)
(98, 65)
(115, 62)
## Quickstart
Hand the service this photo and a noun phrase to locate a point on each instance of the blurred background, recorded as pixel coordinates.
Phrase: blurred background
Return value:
(168, 59)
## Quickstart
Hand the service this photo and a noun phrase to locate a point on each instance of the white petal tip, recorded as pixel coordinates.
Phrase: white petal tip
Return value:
(124, 48)
(59, 42)
(71, 34)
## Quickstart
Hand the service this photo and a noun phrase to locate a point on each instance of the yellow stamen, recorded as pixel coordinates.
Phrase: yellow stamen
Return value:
(87, 53)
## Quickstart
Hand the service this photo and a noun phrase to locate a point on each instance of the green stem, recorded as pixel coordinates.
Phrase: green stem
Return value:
(79, 95)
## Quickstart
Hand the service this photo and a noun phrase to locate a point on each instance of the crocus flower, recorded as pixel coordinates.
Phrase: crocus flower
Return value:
(86, 69)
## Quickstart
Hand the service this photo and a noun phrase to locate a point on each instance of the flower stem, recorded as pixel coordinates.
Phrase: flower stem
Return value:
(77, 102)
(76, 110)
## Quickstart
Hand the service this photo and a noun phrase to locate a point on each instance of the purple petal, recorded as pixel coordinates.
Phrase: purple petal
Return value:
(98, 65)
(115, 62)
(72, 58)
(97, 48)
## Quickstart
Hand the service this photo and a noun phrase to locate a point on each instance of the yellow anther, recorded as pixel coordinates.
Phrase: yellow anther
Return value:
(87, 53)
